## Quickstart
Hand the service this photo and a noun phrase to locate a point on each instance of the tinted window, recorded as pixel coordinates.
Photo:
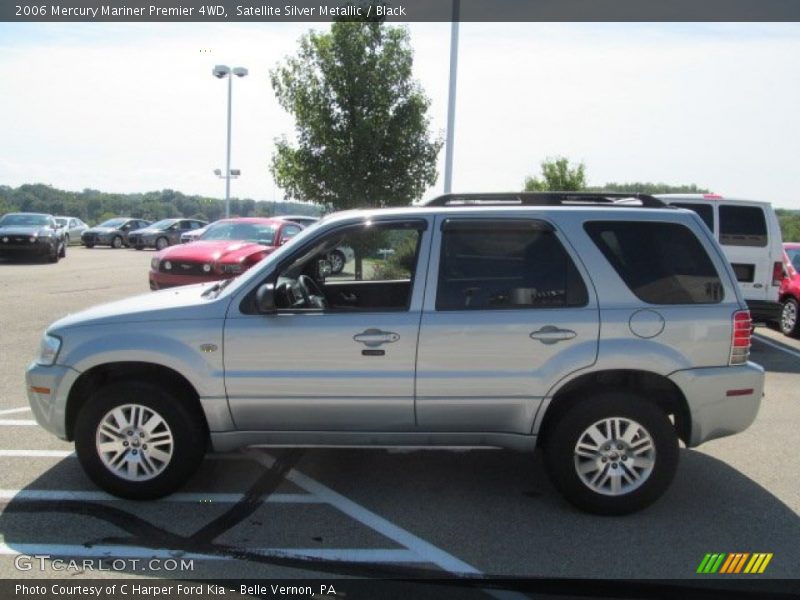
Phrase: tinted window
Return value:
(742, 226)
(706, 212)
(483, 266)
(794, 256)
(261, 233)
(662, 263)
(289, 231)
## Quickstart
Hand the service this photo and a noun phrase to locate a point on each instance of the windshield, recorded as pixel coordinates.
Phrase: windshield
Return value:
(61, 222)
(112, 223)
(24, 220)
(260, 233)
(260, 269)
(162, 224)
(794, 256)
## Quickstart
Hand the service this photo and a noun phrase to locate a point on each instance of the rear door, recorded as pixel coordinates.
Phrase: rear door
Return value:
(744, 237)
(507, 314)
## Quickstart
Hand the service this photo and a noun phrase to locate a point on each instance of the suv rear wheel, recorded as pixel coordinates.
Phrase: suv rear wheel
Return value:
(612, 453)
(137, 440)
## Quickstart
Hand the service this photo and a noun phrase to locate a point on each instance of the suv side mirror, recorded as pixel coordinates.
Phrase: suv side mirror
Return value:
(265, 299)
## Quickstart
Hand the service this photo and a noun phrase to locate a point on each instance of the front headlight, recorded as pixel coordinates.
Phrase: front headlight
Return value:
(48, 350)
(154, 263)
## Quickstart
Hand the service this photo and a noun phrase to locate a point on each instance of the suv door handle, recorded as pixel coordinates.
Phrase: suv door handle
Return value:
(550, 334)
(375, 337)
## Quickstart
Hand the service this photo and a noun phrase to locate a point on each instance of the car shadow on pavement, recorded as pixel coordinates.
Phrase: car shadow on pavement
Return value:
(773, 359)
(494, 510)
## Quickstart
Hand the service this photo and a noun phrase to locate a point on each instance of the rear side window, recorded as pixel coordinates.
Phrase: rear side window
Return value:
(661, 263)
(505, 265)
(742, 226)
(705, 211)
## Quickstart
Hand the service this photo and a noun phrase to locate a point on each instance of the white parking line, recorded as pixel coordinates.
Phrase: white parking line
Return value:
(17, 422)
(69, 454)
(777, 346)
(36, 454)
(426, 551)
(97, 496)
(14, 410)
(382, 555)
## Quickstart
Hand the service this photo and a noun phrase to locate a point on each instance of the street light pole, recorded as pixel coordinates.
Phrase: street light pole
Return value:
(228, 157)
(451, 101)
(220, 72)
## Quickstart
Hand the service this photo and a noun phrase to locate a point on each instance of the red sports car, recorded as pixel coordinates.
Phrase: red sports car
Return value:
(227, 248)
(790, 290)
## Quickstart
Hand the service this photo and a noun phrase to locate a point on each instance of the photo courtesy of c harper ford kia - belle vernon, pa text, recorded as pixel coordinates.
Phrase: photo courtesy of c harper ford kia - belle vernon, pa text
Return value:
(399, 299)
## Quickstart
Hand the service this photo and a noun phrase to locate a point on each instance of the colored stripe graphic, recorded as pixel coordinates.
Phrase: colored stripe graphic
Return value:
(734, 563)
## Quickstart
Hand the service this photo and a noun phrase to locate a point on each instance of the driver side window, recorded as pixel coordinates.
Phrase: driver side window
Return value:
(362, 268)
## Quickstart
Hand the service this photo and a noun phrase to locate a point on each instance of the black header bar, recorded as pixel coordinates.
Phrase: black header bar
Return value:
(276, 11)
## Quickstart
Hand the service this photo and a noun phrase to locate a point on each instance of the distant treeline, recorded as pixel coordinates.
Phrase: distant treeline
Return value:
(94, 206)
(790, 224)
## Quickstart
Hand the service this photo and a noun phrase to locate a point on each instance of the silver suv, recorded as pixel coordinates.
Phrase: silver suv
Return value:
(599, 328)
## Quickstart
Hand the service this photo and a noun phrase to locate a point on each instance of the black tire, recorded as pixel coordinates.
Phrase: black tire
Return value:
(187, 426)
(63, 253)
(563, 436)
(162, 243)
(790, 323)
(337, 259)
(66, 239)
(54, 254)
(116, 242)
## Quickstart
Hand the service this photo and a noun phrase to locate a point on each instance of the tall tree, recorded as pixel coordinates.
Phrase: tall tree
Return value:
(360, 119)
(558, 175)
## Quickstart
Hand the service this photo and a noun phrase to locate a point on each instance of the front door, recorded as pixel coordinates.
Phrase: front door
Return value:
(339, 353)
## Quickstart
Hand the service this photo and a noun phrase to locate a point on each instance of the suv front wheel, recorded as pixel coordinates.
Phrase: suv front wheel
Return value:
(137, 440)
(612, 453)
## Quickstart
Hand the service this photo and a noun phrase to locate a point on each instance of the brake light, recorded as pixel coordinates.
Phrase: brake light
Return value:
(740, 340)
(777, 273)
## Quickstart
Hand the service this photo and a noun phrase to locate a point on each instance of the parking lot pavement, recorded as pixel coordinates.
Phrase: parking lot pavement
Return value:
(334, 513)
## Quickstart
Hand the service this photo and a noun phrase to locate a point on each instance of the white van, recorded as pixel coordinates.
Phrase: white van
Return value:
(750, 236)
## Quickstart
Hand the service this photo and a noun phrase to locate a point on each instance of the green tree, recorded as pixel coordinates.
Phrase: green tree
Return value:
(558, 175)
(360, 119)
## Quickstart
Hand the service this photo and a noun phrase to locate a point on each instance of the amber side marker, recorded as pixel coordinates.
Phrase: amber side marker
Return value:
(40, 390)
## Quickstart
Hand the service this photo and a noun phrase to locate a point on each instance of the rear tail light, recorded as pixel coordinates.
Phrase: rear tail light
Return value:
(777, 273)
(740, 340)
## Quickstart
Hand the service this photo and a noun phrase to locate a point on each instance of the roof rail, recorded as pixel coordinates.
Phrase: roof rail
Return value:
(546, 199)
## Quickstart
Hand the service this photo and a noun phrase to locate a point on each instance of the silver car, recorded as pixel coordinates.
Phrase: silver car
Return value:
(599, 333)
(72, 227)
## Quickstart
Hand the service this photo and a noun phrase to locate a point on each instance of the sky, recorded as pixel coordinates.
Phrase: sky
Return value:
(134, 107)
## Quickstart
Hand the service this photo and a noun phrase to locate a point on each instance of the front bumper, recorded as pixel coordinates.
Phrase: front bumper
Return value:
(722, 400)
(40, 247)
(48, 390)
(764, 311)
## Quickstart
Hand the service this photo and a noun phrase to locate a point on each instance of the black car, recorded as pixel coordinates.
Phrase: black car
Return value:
(113, 232)
(33, 234)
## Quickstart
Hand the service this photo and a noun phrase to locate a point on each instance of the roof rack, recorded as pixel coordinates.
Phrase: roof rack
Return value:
(546, 199)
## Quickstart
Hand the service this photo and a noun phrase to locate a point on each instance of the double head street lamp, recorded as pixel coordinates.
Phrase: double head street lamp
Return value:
(220, 72)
